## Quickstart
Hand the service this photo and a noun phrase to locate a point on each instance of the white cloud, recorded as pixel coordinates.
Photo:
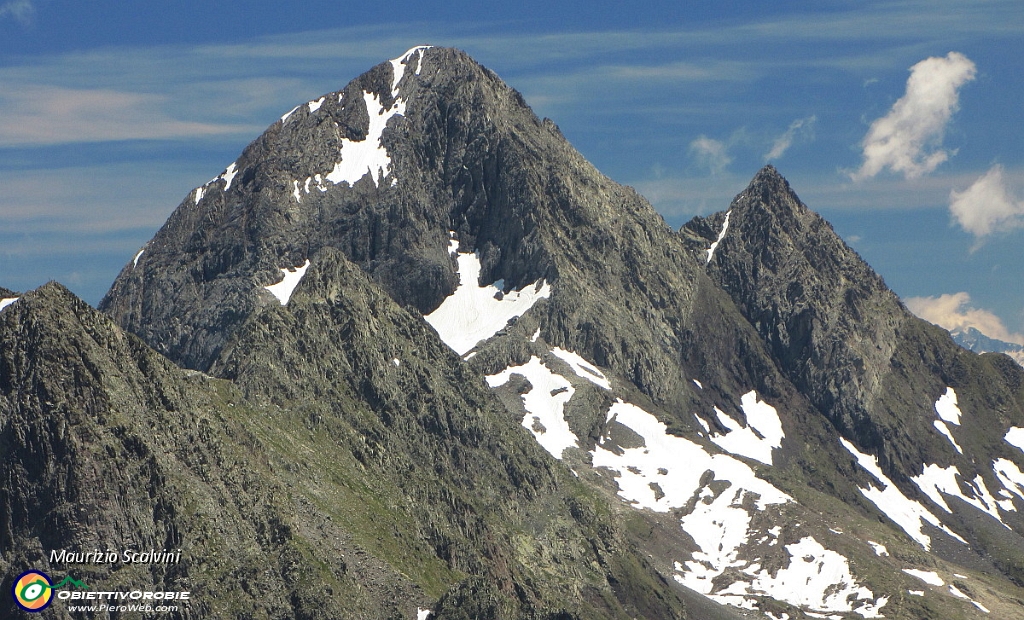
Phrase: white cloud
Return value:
(21, 10)
(953, 311)
(908, 139)
(987, 205)
(801, 127)
(713, 154)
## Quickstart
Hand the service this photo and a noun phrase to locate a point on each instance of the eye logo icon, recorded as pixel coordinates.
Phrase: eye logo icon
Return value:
(33, 591)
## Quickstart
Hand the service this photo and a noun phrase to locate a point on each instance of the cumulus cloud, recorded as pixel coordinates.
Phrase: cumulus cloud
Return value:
(801, 127)
(954, 311)
(987, 206)
(21, 10)
(908, 139)
(711, 153)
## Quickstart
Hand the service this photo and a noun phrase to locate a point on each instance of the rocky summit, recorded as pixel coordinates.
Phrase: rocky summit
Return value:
(412, 356)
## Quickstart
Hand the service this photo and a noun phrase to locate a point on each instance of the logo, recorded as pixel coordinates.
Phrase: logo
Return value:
(33, 590)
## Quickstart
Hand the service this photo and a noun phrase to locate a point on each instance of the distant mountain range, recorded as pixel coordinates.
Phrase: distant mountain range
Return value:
(412, 356)
(973, 340)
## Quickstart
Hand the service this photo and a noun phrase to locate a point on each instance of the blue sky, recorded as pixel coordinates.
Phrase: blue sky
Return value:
(899, 121)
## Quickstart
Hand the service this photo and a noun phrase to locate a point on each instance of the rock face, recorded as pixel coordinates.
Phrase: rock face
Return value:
(738, 412)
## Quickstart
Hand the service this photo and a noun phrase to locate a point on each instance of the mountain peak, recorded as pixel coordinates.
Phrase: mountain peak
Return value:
(770, 194)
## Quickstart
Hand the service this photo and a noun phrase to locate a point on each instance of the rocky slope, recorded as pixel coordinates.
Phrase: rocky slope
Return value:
(353, 487)
(757, 411)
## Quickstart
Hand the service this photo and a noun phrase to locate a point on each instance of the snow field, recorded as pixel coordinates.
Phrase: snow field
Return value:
(666, 473)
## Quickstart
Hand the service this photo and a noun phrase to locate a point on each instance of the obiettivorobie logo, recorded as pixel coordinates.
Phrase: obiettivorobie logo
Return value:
(33, 589)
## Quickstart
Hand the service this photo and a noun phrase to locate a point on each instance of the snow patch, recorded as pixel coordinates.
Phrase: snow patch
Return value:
(536, 335)
(879, 548)
(935, 481)
(229, 175)
(398, 65)
(473, 313)
(947, 407)
(1012, 478)
(904, 512)
(957, 593)
(544, 404)
(199, 194)
(582, 367)
(422, 614)
(915, 592)
(135, 261)
(315, 105)
(288, 113)
(368, 156)
(1015, 437)
(292, 276)
(698, 384)
(6, 301)
(942, 428)
(762, 434)
(930, 577)
(721, 235)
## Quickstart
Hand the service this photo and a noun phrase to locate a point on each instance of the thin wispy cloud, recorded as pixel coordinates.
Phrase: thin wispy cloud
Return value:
(801, 128)
(22, 11)
(988, 206)
(954, 311)
(908, 139)
(41, 115)
(711, 154)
